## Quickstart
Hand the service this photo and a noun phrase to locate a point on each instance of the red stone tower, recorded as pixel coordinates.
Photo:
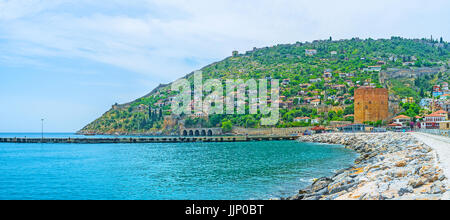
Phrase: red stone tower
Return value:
(371, 104)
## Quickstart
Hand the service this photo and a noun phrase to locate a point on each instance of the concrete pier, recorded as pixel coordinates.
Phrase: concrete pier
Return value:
(146, 139)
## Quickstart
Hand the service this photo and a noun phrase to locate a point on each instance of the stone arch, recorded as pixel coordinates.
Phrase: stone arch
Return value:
(185, 133)
(210, 133)
(191, 133)
(197, 133)
(203, 133)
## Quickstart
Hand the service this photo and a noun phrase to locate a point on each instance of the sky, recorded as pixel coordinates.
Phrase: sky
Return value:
(68, 61)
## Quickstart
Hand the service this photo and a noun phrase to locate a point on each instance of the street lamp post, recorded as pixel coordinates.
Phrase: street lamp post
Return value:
(42, 129)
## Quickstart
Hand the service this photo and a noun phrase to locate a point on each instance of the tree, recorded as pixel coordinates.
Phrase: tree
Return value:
(227, 126)
(189, 123)
(215, 119)
(153, 115)
(378, 123)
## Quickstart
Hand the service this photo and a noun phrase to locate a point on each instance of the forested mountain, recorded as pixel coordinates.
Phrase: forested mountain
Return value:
(317, 78)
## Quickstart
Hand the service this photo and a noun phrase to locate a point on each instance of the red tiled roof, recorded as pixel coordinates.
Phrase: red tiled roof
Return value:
(402, 117)
(441, 112)
(435, 115)
(302, 118)
(317, 128)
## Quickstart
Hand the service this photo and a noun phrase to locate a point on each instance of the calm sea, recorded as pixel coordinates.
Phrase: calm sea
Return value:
(210, 171)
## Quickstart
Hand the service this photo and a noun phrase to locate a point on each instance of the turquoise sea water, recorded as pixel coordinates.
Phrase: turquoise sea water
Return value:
(251, 170)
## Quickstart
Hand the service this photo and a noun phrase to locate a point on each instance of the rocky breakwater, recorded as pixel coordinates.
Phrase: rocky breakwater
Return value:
(391, 166)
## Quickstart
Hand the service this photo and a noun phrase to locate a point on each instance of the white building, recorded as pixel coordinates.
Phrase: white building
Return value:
(433, 121)
(402, 120)
(372, 69)
(302, 119)
(310, 52)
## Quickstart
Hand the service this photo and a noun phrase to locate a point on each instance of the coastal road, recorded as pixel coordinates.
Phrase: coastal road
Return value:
(442, 147)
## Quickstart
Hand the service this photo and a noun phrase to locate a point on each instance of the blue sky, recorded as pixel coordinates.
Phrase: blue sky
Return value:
(68, 61)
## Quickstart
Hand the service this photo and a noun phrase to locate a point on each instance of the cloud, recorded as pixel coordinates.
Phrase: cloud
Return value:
(159, 37)
(14, 9)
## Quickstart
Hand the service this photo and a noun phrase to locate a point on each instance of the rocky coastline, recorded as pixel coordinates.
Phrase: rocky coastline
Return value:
(391, 166)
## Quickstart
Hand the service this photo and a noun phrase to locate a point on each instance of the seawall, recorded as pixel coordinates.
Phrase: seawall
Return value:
(391, 166)
(146, 140)
(269, 131)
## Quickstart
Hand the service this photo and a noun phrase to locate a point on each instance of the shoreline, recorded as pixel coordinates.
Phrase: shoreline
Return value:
(391, 166)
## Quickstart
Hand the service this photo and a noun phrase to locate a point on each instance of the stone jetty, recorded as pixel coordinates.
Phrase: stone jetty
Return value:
(391, 166)
(133, 140)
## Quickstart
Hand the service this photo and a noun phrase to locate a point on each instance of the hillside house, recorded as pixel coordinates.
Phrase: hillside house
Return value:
(315, 102)
(445, 97)
(308, 100)
(160, 103)
(446, 106)
(432, 121)
(402, 120)
(315, 121)
(305, 85)
(445, 86)
(426, 102)
(445, 125)
(327, 74)
(142, 108)
(350, 83)
(372, 69)
(338, 87)
(310, 52)
(200, 115)
(408, 100)
(302, 119)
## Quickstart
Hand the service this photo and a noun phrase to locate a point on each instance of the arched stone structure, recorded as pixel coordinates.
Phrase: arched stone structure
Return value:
(201, 132)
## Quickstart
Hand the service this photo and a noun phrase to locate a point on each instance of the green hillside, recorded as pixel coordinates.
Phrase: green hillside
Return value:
(348, 62)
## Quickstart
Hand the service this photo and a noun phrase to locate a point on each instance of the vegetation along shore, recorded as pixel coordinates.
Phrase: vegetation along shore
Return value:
(391, 166)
